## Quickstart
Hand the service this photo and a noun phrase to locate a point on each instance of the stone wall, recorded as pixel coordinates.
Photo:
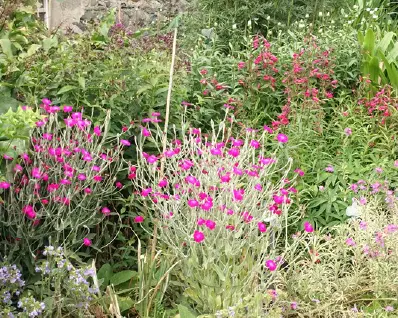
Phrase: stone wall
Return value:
(74, 14)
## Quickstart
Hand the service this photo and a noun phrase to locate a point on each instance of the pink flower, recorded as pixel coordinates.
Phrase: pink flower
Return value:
(97, 178)
(350, 242)
(268, 129)
(282, 138)
(145, 132)
(329, 168)
(29, 211)
(125, 142)
(81, 177)
(293, 305)
(146, 192)
(163, 183)
(198, 236)
(4, 185)
(40, 123)
(238, 194)
(105, 211)
(216, 151)
(378, 170)
(193, 203)
(118, 185)
(152, 159)
(262, 227)
(87, 242)
(211, 225)
(47, 136)
(255, 144)
(271, 265)
(308, 227)
(201, 221)
(299, 172)
(97, 130)
(36, 173)
(67, 109)
(258, 187)
(389, 308)
(139, 219)
(87, 191)
(241, 65)
(96, 168)
(7, 157)
(348, 131)
(234, 152)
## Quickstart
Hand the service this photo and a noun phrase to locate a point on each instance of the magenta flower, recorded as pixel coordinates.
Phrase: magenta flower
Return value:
(36, 173)
(81, 177)
(97, 178)
(255, 144)
(268, 129)
(308, 227)
(118, 185)
(152, 159)
(258, 187)
(348, 131)
(29, 211)
(125, 142)
(97, 130)
(139, 219)
(238, 194)
(299, 172)
(216, 151)
(241, 65)
(282, 138)
(201, 221)
(146, 192)
(262, 227)
(87, 242)
(163, 183)
(4, 185)
(211, 225)
(105, 211)
(293, 305)
(7, 157)
(198, 236)
(271, 265)
(67, 109)
(193, 203)
(145, 132)
(234, 152)
(87, 191)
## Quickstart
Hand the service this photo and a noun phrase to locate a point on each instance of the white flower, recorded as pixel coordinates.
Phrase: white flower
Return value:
(307, 16)
(301, 25)
(268, 18)
(320, 13)
(328, 14)
(355, 6)
(234, 26)
(353, 210)
(249, 23)
(368, 9)
(375, 17)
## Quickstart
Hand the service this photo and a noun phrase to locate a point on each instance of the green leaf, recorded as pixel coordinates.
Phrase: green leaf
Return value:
(393, 54)
(50, 43)
(82, 82)
(6, 47)
(369, 41)
(122, 277)
(185, 312)
(385, 42)
(7, 103)
(33, 49)
(125, 303)
(105, 273)
(65, 89)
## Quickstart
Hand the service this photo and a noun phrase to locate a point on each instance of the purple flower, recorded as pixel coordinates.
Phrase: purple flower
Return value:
(378, 170)
(329, 168)
(348, 131)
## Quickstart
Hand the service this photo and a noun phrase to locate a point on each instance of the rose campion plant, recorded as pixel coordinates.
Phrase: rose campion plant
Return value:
(60, 188)
(219, 205)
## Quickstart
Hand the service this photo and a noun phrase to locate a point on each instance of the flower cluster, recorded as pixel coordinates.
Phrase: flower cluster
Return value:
(70, 172)
(11, 287)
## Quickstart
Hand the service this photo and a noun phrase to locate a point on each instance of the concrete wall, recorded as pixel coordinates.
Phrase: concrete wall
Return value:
(133, 13)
